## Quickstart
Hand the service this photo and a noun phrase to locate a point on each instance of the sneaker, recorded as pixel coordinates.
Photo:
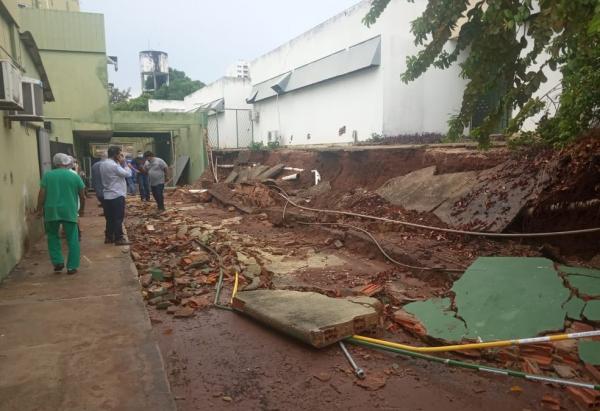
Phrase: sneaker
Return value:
(58, 268)
(72, 271)
(122, 241)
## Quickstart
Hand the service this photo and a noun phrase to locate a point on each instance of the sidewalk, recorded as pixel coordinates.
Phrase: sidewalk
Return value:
(81, 342)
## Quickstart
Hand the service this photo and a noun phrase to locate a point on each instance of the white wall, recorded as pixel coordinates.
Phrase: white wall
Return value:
(233, 90)
(423, 105)
(354, 101)
(370, 101)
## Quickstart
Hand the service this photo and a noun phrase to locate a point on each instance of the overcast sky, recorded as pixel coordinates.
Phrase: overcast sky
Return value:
(203, 37)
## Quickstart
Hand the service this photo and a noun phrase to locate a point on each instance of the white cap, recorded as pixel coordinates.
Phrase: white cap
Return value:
(61, 160)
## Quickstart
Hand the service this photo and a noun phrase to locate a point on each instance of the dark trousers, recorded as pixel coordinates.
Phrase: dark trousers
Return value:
(158, 194)
(114, 212)
(144, 187)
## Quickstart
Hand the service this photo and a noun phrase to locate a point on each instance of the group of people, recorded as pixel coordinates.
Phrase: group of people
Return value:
(110, 178)
(62, 195)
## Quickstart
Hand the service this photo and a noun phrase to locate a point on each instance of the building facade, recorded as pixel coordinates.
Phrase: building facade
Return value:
(229, 116)
(340, 82)
(21, 155)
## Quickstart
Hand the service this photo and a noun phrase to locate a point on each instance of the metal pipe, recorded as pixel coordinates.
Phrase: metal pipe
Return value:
(482, 345)
(477, 367)
(360, 373)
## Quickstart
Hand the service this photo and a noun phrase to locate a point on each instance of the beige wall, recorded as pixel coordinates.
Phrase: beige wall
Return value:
(19, 164)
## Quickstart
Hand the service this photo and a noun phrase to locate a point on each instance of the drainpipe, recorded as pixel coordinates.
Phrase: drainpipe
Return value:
(174, 160)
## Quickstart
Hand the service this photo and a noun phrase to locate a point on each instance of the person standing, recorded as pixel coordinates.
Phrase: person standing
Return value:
(131, 181)
(157, 171)
(60, 192)
(114, 172)
(142, 177)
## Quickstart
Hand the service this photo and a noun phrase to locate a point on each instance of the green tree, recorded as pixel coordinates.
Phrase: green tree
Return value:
(180, 85)
(119, 96)
(508, 44)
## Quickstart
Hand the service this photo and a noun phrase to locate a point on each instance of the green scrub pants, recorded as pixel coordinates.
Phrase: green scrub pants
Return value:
(54, 243)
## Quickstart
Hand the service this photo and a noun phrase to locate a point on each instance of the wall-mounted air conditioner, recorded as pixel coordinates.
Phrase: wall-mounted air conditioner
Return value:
(11, 93)
(33, 102)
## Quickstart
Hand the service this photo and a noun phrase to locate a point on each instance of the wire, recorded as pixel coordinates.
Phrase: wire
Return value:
(444, 230)
(221, 274)
(477, 367)
(385, 254)
(476, 346)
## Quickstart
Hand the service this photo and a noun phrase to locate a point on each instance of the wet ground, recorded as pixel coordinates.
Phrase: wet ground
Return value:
(221, 360)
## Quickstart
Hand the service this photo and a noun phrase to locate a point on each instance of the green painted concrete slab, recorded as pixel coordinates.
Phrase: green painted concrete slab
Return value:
(574, 308)
(438, 319)
(589, 352)
(510, 297)
(585, 280)
(592, 310)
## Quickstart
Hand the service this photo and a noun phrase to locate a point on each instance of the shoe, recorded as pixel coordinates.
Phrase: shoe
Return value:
(122, 241)
(72, 271)
(58, 268)
(108, 240)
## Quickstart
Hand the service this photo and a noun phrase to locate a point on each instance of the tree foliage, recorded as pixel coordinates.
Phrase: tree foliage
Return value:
(508, 45)
(119, 96)
(180, 85)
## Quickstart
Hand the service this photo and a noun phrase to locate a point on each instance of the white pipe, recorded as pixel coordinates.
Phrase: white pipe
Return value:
(317, 176)
(291, 177)
(299, 170)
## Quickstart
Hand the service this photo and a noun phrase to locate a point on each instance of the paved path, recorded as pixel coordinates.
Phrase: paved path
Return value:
(80, 342)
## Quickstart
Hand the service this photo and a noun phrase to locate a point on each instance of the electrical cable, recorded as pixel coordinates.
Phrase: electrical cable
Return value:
(444, 230)
(385, 254)
(477, 367)
(481, 345)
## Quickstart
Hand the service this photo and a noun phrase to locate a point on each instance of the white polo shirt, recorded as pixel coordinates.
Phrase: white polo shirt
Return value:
(113, 179)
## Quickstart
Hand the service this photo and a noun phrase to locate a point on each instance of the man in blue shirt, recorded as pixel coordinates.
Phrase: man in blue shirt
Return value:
(114, 172)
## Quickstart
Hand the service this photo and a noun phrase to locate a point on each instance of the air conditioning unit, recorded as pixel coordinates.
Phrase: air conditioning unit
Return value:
(33, 102)
(11, 92)
(255, 116)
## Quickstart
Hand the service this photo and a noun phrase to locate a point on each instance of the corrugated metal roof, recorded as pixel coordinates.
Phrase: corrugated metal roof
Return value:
(65, 31)
(265, 89)
(358, 57)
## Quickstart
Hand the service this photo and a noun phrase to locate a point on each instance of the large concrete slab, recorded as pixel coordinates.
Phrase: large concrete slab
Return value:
(313, 318)
(80, 342)
(424, 191)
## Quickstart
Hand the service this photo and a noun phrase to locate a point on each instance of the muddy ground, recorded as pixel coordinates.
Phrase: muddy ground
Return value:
(220, 359)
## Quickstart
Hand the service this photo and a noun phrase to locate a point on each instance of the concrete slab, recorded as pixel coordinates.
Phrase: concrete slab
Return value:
(574, 308)
(589, 352)
(424, 191)
(79, 342)
(313, 318)
(438, 319)
(510, 297)
(585, 280)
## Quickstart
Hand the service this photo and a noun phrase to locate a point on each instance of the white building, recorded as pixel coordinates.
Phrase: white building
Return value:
(340, 81)
(229, 115)
(241, 69)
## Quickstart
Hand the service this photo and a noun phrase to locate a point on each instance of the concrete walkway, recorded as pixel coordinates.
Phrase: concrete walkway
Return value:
(80, 342)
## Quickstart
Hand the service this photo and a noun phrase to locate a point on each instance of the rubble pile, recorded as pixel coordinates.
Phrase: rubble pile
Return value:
(176, 271)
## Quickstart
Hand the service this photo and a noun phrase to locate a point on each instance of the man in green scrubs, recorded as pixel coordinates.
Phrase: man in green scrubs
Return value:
(57, 202)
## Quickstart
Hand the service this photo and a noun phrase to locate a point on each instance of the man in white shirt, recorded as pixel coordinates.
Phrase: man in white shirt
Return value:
(114, 172)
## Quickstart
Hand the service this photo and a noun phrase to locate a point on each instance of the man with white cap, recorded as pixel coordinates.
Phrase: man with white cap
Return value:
(60, 192)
